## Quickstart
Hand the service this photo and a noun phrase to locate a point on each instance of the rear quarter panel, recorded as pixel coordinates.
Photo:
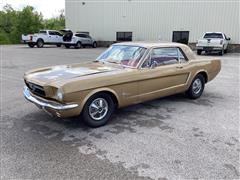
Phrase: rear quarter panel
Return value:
(210, 66)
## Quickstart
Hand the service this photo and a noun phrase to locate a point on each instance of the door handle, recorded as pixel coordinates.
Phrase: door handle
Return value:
(179, 67)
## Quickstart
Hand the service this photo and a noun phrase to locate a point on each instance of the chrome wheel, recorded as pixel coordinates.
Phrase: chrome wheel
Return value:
(197, 86)
(98, 109)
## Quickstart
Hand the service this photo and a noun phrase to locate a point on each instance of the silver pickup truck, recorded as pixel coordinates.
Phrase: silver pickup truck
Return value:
(213, 41)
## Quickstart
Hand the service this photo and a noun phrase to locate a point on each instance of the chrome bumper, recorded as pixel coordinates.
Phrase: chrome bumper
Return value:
(45, 103)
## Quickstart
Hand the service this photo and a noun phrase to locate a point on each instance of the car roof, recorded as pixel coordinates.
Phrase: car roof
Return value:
(214, 32)
(149, 44)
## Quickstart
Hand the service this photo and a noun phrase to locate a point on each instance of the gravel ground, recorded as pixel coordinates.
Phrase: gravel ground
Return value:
(169, 138)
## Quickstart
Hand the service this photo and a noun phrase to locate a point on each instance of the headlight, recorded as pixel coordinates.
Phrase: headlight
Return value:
(60, 94)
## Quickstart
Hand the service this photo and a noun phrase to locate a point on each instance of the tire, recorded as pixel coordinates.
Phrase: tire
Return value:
(199, 52)
(221, 52)
(58, 45)
(78, 45)
(197, 87)
(94, 45)
(225, 51)
(40, 43)
(31, 45)
(94, 114)
(67, 46)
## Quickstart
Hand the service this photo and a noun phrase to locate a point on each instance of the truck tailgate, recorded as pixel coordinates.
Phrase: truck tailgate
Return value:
(27, 37)
(209, 42)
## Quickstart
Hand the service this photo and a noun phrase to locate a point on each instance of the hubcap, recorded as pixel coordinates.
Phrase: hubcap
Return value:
(98, 109)
(197, 86)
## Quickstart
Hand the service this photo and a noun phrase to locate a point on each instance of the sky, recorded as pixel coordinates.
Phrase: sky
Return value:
(49, 8)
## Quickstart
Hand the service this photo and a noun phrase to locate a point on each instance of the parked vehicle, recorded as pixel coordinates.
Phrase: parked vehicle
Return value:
(77, 40)
(125, 74)
(43, 37)
(213, 41)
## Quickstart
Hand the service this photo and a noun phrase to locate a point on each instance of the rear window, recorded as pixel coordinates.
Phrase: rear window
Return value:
(43, 32)
(213, 35)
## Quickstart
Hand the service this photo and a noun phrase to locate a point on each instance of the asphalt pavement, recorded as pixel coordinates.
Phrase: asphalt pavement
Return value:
(168, 138)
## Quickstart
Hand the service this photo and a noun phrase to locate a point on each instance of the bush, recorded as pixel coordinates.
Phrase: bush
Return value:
(15, 23)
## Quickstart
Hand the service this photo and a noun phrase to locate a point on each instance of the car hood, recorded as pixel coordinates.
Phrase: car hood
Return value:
(48, 75)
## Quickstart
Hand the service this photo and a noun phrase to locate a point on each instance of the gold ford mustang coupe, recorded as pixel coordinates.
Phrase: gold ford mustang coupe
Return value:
(125, 74)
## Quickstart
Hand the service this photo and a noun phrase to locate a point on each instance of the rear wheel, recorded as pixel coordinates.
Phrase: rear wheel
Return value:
(40, 43)
(58, 45)
(78, 45)
(199, 52)
(67, 46)
(31, 45)
(94, 45)
(197, 87)
(98, 110)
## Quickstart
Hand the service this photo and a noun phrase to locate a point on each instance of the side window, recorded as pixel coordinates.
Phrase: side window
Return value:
(164, 56)
(89, 37)
(58, 33)
(43, 32)
(52, 33)
(81, 35)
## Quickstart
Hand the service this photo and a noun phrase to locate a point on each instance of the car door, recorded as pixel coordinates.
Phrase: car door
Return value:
(52, 37)
(84, 38)
(164, 72)
(59, 37)
(89, 40)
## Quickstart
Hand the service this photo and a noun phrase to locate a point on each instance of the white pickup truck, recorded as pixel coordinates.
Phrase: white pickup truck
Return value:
(43, 37)
(213, 41)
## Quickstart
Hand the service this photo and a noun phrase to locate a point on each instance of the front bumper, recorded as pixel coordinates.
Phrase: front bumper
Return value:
(51, 107)
(209, 48)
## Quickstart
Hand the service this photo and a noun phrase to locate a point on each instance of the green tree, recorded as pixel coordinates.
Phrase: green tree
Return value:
(27, 21)
(56, 22)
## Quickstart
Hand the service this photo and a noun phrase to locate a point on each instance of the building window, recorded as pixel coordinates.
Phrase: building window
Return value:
(124, 36)
(180, 37)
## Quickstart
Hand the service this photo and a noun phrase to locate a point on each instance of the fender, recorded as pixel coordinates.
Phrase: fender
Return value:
(98, 91)
(194, 75)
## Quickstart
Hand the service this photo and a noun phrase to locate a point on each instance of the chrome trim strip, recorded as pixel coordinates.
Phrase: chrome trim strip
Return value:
(52, 105)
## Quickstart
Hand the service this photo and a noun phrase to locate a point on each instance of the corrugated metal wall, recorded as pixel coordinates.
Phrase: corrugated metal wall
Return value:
(149, 20)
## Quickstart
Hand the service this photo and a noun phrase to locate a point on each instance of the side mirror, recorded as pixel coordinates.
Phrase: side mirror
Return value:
(228, 38)
(153, 65)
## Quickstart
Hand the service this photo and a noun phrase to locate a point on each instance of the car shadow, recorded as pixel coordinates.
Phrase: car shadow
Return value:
(152, 114)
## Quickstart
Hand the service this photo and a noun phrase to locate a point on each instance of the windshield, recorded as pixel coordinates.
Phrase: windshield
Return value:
(213, 35)
(123, 54)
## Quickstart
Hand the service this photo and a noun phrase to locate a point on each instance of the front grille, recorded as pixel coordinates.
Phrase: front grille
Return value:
(35, 89)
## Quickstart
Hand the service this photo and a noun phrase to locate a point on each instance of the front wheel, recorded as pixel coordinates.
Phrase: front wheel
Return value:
(58, 45)
(98, 110)
(197, 87)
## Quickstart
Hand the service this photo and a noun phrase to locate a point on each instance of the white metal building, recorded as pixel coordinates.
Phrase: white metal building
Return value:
(112, 20)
